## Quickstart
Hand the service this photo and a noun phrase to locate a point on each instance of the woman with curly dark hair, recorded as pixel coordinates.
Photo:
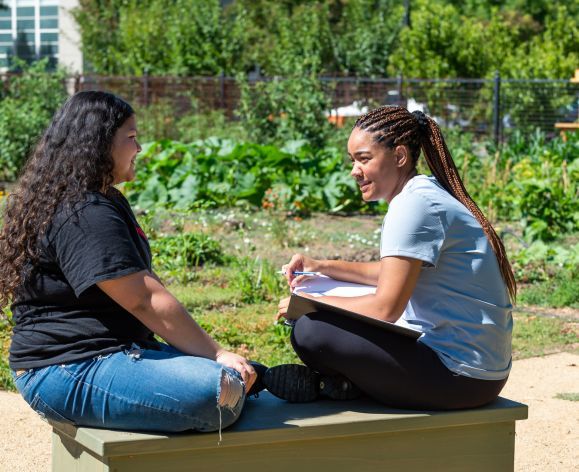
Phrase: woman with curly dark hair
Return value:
(86, 304)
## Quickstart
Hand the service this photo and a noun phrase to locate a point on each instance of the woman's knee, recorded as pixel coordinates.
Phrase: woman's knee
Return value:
(301, 337)
(310, 335)
(230, 400)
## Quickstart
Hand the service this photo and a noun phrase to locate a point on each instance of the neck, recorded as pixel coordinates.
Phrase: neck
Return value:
(402, 181)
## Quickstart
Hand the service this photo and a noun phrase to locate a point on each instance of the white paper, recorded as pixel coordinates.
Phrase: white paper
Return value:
(322, 285)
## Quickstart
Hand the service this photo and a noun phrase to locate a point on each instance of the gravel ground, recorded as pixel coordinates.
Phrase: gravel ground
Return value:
(547, 441)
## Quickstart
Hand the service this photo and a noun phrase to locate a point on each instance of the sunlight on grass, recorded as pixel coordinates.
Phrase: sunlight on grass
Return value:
(535, 335)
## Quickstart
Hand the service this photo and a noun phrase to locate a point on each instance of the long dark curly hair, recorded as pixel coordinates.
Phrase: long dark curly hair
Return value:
(73, 157)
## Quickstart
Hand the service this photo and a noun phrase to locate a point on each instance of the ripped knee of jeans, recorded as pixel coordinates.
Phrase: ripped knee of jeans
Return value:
(231, 390)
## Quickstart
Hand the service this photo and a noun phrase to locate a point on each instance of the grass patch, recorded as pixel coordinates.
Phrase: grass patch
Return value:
(536, 335)
(6, 382)
(572, 397)
(561, 290)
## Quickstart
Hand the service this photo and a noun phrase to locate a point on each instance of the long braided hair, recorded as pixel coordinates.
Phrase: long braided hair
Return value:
(73, 157)
(395, 126)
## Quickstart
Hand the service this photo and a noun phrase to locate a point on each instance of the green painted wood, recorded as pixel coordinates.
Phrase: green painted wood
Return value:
(69, 456)
(471, 448)
(275, 427)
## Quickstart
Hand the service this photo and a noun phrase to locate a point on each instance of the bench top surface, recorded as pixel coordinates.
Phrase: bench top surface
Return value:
(268, 419)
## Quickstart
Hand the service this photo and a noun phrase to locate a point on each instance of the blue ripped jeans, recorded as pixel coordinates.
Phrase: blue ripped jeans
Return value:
(137, 390)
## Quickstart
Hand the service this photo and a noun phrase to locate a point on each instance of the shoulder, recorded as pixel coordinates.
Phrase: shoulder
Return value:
(420, 193)
(92, 206)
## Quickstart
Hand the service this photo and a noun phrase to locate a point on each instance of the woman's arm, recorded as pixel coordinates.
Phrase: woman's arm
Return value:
(357, 272)
(143, 295)
(396, 282)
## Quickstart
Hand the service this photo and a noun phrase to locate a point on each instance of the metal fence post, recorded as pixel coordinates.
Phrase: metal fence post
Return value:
(399, 89)
(496, 108)
(146, 86)
(222, 90)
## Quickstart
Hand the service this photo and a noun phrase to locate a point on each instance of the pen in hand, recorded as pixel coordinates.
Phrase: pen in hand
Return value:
(300, 272)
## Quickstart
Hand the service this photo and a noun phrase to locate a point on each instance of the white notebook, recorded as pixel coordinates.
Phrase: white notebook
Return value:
(323, 285)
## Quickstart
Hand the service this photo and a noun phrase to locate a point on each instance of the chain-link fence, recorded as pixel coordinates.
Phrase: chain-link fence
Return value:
(492, 108)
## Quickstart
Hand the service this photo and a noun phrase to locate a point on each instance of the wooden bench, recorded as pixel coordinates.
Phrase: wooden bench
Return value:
(276, 436)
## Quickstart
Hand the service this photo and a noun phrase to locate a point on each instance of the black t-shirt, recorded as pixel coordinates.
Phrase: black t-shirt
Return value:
(60, 314)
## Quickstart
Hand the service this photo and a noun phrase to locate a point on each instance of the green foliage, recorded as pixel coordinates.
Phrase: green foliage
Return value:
(284, 109)
(562, 290)
(160, 120)
(365, 35)
(554, 53)
(548, 274)
(223, 173)
(538, 335)
(444, 43)
(474, 39)
(27, 104)
(179, 37)
(257, 280)
(539, 261)
(528, 179)
(446, 38)
(6, 382)
(178, 254)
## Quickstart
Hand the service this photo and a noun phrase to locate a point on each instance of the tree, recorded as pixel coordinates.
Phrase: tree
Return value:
(182, 37)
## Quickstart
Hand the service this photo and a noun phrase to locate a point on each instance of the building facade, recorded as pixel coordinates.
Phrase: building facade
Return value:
(37, 29)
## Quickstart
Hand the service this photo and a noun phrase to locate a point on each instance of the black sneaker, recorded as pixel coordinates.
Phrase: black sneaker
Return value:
(258, 385)
(299, 384)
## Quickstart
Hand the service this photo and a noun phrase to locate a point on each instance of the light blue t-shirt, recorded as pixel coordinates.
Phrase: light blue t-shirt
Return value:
(460, 302)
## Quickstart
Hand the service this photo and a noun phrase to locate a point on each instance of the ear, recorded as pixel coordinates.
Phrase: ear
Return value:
(402, 155)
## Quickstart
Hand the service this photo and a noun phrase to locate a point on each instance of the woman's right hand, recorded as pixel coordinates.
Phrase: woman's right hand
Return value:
(299, 263)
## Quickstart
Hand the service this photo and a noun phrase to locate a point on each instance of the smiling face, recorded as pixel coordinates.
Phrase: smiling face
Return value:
(124, 151)
(380, 171)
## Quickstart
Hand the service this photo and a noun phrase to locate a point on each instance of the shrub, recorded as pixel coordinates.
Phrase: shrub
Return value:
(177, 255)
(27, 104)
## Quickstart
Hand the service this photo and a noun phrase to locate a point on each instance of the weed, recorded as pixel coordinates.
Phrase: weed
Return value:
(573, 397)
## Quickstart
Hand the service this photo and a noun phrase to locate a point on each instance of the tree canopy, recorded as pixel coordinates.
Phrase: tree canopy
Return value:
(444, 38)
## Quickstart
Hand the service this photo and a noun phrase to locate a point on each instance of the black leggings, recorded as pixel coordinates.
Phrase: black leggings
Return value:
(393, 369)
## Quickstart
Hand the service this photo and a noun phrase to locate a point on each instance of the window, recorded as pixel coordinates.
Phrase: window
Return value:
(29, 30)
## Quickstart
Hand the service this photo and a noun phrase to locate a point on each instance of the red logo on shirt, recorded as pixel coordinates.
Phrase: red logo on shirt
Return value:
(142, 233)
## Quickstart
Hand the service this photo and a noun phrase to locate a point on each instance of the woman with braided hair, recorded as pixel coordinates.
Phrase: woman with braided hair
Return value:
(443, 270)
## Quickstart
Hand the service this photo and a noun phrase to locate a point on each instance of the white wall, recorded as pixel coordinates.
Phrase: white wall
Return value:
(70, 55)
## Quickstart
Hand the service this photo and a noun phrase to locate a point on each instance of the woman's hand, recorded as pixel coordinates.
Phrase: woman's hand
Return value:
(240, 364)
(284, 304)
(299, 263)
(282, 308)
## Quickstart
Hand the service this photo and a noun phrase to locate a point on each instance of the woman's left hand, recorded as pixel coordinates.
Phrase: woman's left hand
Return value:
(240, 364)
(284, 304)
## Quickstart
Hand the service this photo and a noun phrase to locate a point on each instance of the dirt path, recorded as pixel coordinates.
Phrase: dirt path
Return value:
(545, 442)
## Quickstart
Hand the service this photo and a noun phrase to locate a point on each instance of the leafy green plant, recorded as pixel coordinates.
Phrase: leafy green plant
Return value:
(283, 109)
(560, 290)
(223, 173)
(27, 103)
(257, 280)
(131, 37)
(177, 255)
